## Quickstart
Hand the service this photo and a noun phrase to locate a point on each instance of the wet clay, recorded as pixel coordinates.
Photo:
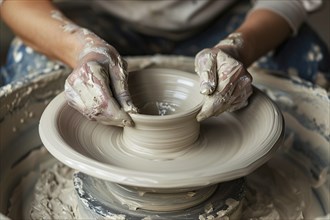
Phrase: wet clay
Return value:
(223, 148)
(272, 193)
(294, 183)
(93, 90)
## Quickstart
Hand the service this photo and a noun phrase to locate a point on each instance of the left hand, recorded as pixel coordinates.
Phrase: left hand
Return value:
(97, 86)
(224, 80)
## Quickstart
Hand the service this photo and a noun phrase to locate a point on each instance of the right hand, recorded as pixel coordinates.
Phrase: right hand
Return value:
(97, 87)
(225, 81)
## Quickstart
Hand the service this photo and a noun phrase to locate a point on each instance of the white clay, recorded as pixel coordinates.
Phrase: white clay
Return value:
(270, 187)
(228, 147)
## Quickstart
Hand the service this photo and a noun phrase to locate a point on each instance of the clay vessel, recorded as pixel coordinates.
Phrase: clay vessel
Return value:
(168, 102)
(166, 148)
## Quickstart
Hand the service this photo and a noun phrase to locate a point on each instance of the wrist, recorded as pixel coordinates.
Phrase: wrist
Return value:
(238, 46)
(86, 45)
(73, 39)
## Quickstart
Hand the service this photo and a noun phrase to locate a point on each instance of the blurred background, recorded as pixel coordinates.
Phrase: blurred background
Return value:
(319, 20)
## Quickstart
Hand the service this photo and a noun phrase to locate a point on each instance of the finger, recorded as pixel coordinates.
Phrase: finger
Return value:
(233, 89)
(118, 81)
(243, 89)
(216, 103)
(88, 92)
(237, 106)
(213, 106)
(72, 96)
(110, 117)
(241, 93)
(205, 67)
(241, 101)
(228, 70)
(109, 111)
(207, 109)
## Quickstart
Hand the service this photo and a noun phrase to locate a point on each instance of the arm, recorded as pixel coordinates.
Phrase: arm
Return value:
(97, 66)
(35, 23)
(261, 32)
(225, 81)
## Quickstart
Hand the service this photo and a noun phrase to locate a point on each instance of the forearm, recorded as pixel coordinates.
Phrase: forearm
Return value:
(261, 32)
(35, 22)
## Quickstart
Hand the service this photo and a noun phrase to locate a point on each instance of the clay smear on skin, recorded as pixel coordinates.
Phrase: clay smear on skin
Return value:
(66, 25)
(99, 104)
(224, 80)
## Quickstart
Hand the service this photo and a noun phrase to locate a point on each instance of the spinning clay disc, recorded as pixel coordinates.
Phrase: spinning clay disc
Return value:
(227, 147)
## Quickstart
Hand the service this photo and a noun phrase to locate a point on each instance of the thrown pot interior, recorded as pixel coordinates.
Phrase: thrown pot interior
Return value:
(163, 92)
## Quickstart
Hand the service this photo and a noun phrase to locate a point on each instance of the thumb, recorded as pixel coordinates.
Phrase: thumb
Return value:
(213, 106)
(114, 115)
(205, 67)
(118, 80)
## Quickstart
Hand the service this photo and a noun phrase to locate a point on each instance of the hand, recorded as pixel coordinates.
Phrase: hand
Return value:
(97, 87)
(224, 81)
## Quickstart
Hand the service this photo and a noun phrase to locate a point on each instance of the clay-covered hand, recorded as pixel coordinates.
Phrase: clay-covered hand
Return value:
(224, 80)
(97, 87)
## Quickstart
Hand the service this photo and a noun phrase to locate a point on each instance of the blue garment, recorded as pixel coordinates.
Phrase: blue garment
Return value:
(22, 61)
(305, 54)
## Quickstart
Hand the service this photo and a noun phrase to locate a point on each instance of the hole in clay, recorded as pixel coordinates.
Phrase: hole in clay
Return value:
(159, 108)
(164, 91)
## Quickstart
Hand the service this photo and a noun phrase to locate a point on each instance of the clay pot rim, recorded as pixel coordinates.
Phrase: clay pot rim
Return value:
(183, 113)
(116, 173)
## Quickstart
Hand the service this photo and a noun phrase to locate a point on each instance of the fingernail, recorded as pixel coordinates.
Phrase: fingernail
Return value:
(206, 88)
(128, 123)
(133, 109)
(200, 117)
(130, 108)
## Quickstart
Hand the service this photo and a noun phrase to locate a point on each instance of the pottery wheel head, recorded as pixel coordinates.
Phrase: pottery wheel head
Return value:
(166, 148)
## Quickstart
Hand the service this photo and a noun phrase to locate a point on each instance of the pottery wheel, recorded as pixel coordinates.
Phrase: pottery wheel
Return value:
(224, 199)
(229, 146)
